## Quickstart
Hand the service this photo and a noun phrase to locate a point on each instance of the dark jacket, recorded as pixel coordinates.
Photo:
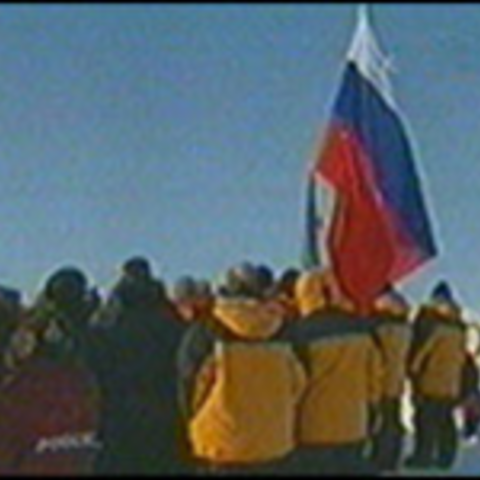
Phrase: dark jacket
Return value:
(134, 361)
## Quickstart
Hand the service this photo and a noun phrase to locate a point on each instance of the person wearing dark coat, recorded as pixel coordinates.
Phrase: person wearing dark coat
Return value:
(134, 358)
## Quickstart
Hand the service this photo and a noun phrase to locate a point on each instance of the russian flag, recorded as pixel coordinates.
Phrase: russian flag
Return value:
(380, 231)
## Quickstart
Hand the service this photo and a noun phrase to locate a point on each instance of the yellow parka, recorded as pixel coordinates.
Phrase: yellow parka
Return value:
(247, 390)
(344, 369)
(436, 364)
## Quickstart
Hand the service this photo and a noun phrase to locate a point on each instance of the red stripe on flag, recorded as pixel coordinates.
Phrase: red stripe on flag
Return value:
(360, 239)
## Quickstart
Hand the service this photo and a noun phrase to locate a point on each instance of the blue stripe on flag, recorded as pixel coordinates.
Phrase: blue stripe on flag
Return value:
(363, 110)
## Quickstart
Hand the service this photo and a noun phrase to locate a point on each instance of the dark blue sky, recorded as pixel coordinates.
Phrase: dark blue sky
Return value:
(184, 132)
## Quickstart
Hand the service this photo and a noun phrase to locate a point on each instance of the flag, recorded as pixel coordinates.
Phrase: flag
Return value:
(311, 254)
(380, 231)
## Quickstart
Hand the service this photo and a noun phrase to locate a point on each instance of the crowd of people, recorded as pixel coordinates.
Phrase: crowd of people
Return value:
(261, 373)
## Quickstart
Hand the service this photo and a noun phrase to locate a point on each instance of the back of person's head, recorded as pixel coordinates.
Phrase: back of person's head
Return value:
(184, 289)
(138, 288)
(286, 283)
(66, 303)
(391, 301)
(311, 292)
(442, 292)
(266, 278)
(137, 268)
(243, 280)
(10, 298)
(11, 313)
(443, 299)
(193, 297)
(204, 289)
(66, 286)
(205, 299)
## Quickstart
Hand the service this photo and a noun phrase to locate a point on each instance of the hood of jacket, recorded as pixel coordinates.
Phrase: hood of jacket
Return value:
(249, 318)
(443, 311)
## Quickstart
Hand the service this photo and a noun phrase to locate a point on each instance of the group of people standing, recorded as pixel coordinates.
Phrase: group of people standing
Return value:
(258, 375)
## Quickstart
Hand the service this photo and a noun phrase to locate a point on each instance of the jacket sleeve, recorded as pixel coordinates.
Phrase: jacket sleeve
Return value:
(202, 385)
(195, 348)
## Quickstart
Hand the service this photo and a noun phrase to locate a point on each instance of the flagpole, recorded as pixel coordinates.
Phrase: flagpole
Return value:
(364, 12)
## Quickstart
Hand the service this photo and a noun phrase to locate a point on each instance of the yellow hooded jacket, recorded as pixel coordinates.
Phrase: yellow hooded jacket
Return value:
(246, 391)
(343, 364)
(436, 364)
(344, 378)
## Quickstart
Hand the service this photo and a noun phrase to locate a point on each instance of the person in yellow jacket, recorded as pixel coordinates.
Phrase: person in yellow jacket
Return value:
(393, 334)
(343, 379)
(436, 362)
(241, 382)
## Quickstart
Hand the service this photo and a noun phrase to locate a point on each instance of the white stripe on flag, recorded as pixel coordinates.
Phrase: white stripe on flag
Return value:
(371, 62)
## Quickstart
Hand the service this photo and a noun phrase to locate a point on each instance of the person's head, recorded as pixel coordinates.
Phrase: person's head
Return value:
(442, 292)
(11, 311)
(205, 296)
(311, 292)
(443, 299)
(286, 283)
(243, 280)
(184, 297)
(392, 302)
(64, 306)
(193, 298)
(66, 286)
(10, 299)
(137, 268)
(265, 278)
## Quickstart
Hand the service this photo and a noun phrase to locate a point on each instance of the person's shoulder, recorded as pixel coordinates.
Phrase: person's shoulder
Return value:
(196, 332)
